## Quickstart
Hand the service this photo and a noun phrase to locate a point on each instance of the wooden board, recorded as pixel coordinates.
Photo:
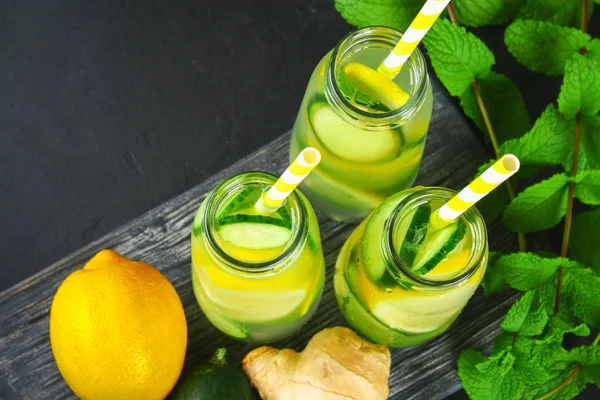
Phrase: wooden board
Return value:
(161, 238)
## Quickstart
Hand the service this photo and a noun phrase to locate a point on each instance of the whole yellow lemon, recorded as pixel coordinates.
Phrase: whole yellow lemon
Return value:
(118, 330)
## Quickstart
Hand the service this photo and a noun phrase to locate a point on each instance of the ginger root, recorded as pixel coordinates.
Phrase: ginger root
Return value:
(336, 364)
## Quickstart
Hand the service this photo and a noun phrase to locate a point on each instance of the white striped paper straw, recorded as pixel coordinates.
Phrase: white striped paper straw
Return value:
(272, 199)
(409, 41)
(499, 172)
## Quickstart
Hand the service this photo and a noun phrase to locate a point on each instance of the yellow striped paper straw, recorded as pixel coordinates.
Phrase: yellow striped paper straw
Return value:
(393, 63)
(272, 199)
(499, 172)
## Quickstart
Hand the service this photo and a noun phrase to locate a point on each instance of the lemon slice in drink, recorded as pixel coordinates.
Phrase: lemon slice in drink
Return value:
(375, 84)
(351, 142)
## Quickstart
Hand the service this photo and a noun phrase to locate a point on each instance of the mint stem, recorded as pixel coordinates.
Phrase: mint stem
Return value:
(562, 385)
(564, 251)
(452, 14)
(570, 377)
(584, 21)
(490, 129)
(569, 217)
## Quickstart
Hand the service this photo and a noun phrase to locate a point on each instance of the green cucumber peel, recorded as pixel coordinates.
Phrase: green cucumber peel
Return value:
(450, 243)
(254, 219)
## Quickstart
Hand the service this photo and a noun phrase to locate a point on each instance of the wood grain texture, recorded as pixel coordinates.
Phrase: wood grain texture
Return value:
(161, 238)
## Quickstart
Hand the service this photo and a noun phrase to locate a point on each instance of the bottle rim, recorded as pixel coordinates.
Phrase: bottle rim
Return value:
(402, 272)
(360, 38)
(298, 215)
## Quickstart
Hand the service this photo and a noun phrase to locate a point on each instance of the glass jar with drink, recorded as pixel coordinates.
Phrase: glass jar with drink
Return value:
(370, 129)
(401, 286)
(257, 273)
(407, 271)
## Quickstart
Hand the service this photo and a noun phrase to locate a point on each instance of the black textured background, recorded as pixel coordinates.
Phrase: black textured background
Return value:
(108, 108)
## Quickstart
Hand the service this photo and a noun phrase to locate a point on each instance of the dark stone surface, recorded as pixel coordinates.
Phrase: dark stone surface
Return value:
(109, 108)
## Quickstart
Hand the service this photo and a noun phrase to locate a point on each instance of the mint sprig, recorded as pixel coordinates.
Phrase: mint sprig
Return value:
(538, 207)
(485, 12)
(584, 239)
(580, 91)
(457, 56)
(560, 157)
(502, 97)
(543, 46)
(559, 12)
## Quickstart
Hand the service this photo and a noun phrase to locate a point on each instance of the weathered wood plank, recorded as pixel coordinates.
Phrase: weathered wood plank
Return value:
(161, 238)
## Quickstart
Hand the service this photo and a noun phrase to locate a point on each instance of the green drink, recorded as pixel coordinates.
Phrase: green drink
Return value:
(370, 148)
(399, 280)
(256, 277)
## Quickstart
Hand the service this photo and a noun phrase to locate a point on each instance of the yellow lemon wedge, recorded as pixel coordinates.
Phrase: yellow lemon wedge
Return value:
(376, 84)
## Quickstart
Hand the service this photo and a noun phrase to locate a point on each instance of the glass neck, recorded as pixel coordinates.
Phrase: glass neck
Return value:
(391, 253)
(357, 41)
(223, 194)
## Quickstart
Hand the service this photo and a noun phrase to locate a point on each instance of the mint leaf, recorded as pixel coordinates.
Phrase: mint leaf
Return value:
(547, 294)
(592, 372)
(589, 145)
(526, 271)
(593, 52)
(501, 97)
(493, 280)
(580, 90)
(474, 382)
(587, 188)
(582, 294)
(457, 56)
(583, 245)
(572, 389)
(504, 381)
(542, 46)
(547, 143)
(559, 12)
(520, 345)
(588, 355)
(501, 362)
(485, 12)
(526, 315)
(538, 207)
(547, 348)
(393, 13)
(531, 372)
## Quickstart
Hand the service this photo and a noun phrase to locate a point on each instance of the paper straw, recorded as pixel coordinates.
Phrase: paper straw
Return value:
(272, 199)
(499, 172)
(393, 63)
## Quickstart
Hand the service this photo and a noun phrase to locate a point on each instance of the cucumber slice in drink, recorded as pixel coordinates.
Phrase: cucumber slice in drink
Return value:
(372, 240)
(256, 234)
(350, 142)
(422, 312)
(341, 195)
(237, 201)
(438, 245)
(414, 132)
(231, 328)
(254, 219)
(415, 233)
